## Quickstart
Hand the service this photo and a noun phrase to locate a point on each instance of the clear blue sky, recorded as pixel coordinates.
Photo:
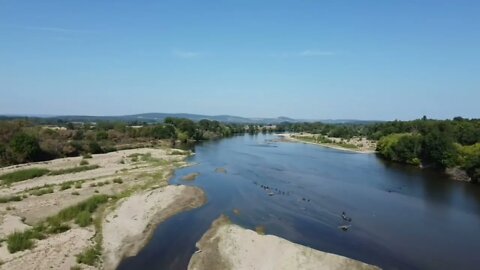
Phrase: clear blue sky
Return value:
(397, 59)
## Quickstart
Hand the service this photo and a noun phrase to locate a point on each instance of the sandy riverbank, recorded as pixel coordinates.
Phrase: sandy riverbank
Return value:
(363, 145)
(136, 181)
(228, 246)
(126, 229)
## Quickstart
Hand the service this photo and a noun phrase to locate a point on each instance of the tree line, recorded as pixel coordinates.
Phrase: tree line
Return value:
(27, 141)
(426, 142)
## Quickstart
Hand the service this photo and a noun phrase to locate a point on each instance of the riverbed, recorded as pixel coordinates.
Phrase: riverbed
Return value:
(402, 217)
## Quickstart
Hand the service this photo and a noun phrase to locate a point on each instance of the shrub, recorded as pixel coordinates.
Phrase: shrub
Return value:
(78, 185)
(85, 156)
(83, 162)
(75, 193)
(23, 175)
(118, 180)
(25, 147)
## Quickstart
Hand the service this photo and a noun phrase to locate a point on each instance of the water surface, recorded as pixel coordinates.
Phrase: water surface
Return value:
(402, 217)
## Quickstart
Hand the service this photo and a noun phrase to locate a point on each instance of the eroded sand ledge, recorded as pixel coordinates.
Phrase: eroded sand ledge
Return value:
(127, 228)
(229, 246)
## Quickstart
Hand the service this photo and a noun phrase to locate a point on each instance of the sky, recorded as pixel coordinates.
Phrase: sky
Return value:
(308, 59)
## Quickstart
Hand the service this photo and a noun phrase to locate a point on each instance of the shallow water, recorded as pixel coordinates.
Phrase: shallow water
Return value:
(402, 217)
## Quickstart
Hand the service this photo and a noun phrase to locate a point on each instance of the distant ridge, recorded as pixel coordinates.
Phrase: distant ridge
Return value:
(159, 117)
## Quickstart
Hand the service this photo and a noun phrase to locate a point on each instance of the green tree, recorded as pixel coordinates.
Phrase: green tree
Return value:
(25, 147)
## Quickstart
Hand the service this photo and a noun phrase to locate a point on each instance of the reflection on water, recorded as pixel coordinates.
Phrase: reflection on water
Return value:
(402, 217)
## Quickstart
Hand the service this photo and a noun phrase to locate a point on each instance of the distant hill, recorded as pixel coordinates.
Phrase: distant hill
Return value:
(159, 117)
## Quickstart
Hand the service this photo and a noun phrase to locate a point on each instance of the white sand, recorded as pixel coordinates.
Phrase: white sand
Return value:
(124, 234)
(127, 228)
(228, 246)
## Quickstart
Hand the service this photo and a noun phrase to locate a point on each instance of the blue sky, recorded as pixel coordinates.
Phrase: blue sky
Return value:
(397, 59)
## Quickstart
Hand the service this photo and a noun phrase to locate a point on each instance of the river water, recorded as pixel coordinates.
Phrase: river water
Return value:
(402, 217)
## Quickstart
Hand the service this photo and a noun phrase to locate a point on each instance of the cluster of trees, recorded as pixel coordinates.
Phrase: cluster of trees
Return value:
(24, 141)
(441, 143)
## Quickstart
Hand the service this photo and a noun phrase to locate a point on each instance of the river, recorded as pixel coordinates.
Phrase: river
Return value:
(403, 217)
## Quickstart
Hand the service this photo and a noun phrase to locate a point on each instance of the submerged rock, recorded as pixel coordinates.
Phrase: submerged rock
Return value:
(190, 176)
(220, 170)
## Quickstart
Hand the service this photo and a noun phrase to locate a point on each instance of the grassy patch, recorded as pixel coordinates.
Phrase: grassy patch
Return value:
(74, 169)
(81, 213)
(7, 199)
(83, 219)
(23, 175)
(78, 185)
(19, 241)
(70, 213)
(42, 191)
(90, 256)
(66, 185)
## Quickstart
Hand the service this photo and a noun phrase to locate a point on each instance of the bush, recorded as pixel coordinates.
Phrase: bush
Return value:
(85, 156)
(78, 185)
(23, 175)
(95, 148)
(83, 162)
(25, 147)
(75, 193)
(118, 180)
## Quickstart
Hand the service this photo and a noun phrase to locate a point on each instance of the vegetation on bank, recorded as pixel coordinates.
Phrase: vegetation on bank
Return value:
(24, 141)
(439, 143)
(321, 139)
(25, 174)
(80, 214)
(22, 175)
